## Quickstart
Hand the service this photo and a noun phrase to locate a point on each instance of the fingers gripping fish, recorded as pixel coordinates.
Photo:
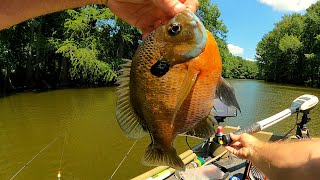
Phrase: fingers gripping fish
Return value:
(169, 88)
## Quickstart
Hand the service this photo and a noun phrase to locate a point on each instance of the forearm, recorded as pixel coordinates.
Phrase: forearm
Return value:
(15, 11)
(288, 160)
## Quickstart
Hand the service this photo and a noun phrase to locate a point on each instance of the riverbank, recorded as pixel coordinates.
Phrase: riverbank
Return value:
(9, 89)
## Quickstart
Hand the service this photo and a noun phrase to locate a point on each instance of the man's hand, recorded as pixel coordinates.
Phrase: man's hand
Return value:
(244, 145)
(285, 160)
(147, 15)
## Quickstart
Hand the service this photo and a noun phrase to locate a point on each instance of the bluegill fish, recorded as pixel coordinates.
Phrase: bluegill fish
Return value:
(168, 89)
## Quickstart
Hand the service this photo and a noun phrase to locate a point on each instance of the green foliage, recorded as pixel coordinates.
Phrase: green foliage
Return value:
(209, 14)
(85, 47)
(290, 52)
(279, 52)
(80, 46)
(85, 65)
(237, 67)
(289, 44)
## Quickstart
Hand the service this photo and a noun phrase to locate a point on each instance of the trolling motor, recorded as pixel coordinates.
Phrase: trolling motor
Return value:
(302, 104)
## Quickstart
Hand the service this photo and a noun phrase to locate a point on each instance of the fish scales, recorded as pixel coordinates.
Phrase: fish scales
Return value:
(174, 76)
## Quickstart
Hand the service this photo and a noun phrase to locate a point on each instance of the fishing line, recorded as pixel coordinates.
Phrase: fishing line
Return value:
(123, 160)
(62, 153)
(48, 145)
(192, 148)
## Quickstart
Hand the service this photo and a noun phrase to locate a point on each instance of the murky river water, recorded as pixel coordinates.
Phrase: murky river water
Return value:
(94, 144)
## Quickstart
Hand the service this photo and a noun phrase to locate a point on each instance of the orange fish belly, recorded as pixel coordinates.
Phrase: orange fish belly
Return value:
(154, 99)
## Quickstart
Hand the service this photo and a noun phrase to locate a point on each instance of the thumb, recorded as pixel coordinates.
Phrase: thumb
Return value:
(172, 7)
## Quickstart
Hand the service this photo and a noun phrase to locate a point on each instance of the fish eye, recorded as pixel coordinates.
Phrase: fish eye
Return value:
(174, 29)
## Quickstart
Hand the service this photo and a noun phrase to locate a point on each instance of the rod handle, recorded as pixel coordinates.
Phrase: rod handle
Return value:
(226, 139)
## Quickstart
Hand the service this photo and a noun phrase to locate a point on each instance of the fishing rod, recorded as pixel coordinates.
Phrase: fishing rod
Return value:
(302, 104)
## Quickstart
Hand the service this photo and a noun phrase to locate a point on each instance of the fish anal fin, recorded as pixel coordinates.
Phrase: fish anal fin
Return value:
(204, 129)
(225, 93)
(127, 119)
(155, 155)
(186, 87)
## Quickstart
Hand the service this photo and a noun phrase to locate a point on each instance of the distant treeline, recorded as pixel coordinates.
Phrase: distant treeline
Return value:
(290, 53)
(84, 47)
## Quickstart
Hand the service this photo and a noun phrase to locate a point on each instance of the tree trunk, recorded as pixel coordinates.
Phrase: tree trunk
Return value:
(29, 77)
(63, 75)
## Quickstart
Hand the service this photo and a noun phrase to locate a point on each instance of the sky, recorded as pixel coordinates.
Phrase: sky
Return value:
(249, 20)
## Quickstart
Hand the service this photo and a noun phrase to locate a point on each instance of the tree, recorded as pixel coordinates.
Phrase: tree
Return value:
(290, 52)
(85, 47)
(311, 45)
(81, 46)
(279, 52)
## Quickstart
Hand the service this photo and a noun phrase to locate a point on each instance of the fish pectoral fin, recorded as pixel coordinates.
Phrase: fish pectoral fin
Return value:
(225, 93)
(127, 119)
(204, 129)
(155, 155)
(186, 87)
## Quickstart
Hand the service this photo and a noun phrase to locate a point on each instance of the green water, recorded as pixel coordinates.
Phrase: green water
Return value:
(94, 143)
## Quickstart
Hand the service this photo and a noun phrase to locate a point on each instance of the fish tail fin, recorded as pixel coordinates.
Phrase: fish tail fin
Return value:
(157, 156)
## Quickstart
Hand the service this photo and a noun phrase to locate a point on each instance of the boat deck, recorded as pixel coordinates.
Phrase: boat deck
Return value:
(231, 166)
(226, 162)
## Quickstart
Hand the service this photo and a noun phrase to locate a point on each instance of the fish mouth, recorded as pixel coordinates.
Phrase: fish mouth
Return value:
(200, 34)
(191, 17)
(188, 13)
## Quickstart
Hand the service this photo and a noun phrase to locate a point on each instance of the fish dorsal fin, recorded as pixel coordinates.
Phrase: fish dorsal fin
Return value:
(128, 121)
(204, 129)
(186, 87)
(225, 93)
